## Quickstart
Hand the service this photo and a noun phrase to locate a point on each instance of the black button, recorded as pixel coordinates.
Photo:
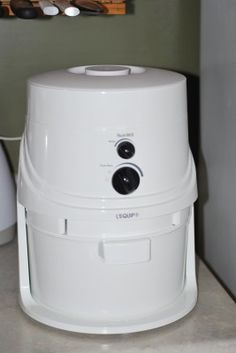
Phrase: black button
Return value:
(126, 150)
(125, 180)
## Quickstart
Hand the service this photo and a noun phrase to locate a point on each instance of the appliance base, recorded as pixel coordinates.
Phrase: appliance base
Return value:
(178, 309)
(181, 306)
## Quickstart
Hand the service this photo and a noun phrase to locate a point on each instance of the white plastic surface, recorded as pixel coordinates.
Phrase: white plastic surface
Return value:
(107, 70)
(102, 262)
(92, 300)
(125, 252)
(75, 78)
(151, 113)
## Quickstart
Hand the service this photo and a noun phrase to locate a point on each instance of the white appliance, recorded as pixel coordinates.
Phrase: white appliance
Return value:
(105, 200)
(7, 201)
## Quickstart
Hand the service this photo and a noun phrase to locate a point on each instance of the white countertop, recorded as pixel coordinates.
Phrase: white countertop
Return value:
(209, 328)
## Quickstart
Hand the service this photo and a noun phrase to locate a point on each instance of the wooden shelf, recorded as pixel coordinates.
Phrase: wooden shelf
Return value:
(116, 7)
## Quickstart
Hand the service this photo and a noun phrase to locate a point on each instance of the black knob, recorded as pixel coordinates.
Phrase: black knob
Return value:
(126, 150)
(125, 180)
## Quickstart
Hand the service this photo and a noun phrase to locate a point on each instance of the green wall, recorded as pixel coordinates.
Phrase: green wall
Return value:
(160, 33)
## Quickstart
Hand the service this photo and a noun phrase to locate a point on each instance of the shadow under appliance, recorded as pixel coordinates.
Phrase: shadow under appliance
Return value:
(105, 200)
(7, 200)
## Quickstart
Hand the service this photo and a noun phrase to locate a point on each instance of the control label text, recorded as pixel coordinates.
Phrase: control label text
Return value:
(127, 215)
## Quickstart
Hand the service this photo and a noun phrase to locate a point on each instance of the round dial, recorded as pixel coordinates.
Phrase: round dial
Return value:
(125, 180)
(126, 149)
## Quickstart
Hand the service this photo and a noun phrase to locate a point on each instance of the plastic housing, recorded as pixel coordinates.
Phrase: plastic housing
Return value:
(93, 260)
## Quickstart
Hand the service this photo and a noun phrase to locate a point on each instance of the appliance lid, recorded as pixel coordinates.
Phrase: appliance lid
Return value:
(107, 77)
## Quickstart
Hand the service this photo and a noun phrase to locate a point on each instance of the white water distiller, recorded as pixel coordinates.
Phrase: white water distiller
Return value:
(106, 188)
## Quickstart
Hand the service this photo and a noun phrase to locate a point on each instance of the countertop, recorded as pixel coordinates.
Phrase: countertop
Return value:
(209, 328)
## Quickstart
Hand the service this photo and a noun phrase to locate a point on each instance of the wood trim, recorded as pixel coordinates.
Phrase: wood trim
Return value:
(114, 7)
